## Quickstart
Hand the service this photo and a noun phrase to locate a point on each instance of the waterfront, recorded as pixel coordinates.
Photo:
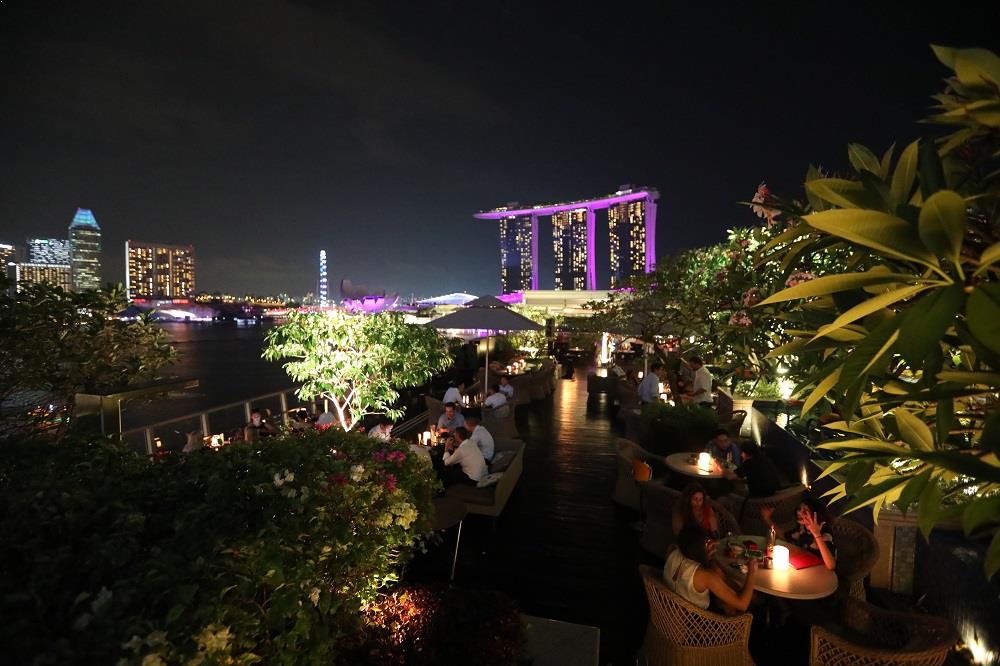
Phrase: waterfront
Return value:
(224, 357)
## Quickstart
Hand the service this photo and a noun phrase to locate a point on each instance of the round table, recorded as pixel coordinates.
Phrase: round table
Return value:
(681, 463)
(813, 582)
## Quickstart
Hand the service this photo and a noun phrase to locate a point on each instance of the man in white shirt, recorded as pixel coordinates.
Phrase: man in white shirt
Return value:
(506, 387)
(462, 460)
(649, 387)
(480, 436)
(701, 389)
(495, 398)
(382, 430)
(450, 419)
(454, 393)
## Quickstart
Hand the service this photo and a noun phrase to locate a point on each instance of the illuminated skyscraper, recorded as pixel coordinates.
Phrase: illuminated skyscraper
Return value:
(159, 271)
(53, 251)
(631, 236)
(518, 253)
(57, 275)
(85, 251)
(323, 285)
(8, 255)
(569, 248)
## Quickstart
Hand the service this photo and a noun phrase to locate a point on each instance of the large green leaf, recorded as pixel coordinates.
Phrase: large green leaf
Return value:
(990, 256)
(887, 234)
(904, 176)
(914, 431)
(978, 68)
(930, 507)
(962, 463)
(980, 513)
(993, 556)
(862, 159)
(983, 378)
(982, 313)
(821, 390)
(990, 437)
(914, 488)
(833, 283)
(865, 446)
(942, 224)
(872, 305)
(886, 163)
(843, 193)
(946, 54)
(927, 321)
(857, 476)
(930, 168)
(945, 418)
(874, 493)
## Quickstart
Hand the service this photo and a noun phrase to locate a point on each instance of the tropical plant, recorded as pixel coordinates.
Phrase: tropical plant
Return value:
(55, 344)
(526, 340)
(258, 552)
(357, 362)
(904, 340)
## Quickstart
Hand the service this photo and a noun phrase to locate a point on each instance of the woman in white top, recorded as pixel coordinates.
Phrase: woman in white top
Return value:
(692, 572)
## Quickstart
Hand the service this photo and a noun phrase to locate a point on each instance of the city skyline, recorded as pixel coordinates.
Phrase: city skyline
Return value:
(178, 121)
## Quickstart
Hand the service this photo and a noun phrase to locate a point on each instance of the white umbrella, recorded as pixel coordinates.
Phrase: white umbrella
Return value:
(486, 313)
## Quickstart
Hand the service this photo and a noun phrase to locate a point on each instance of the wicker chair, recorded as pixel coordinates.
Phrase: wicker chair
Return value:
(871, 636)
(734, 424)
(785, 502)
(500, 422)
(626, 491)
(435, 408)
(679, 633)
(857, 553)
(658, 501)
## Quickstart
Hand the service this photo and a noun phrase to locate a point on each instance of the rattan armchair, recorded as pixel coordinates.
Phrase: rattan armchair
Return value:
(658, 501)
(857, 553)
(871, 636)
(681, 634)
(785, 502)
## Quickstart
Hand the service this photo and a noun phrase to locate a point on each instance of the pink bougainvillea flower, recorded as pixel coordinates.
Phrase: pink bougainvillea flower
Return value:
(799, 278)
(751, 297)
(740, 319)
(760, 204)
(390, 482)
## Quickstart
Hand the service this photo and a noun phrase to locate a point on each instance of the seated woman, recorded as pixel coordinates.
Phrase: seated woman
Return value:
(693, 510)
(692, 572)
(813, 532)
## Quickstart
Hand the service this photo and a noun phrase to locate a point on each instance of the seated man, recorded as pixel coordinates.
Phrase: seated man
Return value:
(723, 448)
(495, 397)
(463, 462)
(480, 436)
(450, 419)
(454, 393)
(258, 427)
(760, 473)
(506, 387)
(382, 430)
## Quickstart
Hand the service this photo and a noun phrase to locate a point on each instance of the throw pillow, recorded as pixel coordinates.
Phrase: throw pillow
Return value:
(501, 461)
(489, 480)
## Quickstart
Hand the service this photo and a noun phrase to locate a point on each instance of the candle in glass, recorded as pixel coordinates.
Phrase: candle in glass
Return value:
(427, 437)
(705, 461)
(780, 562)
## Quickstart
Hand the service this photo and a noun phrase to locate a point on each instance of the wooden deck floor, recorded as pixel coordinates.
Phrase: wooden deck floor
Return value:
(562, 549)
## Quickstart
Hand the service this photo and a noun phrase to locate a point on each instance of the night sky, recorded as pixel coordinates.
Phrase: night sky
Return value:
(264, 131)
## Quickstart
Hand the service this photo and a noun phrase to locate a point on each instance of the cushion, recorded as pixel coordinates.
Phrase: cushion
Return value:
(489, 480)
(501, 461)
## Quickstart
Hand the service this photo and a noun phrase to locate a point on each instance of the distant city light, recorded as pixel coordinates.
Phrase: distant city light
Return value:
(323, 285)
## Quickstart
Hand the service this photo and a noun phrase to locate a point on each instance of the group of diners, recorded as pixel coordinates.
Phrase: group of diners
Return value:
(694, 382)
(693, 571)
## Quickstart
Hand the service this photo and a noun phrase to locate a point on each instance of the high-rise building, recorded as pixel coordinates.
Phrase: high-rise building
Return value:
(58, 275)
(518, 253)
(569, 247)
(8, 255)
(159, 271)
(631, 236)
(53, 251)
(85, 251)
(324, 291)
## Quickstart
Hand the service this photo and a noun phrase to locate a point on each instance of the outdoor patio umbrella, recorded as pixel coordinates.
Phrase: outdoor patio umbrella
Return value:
(486, 313)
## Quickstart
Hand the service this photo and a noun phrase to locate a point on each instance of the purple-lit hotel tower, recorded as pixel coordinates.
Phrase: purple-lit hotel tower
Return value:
(631, 231)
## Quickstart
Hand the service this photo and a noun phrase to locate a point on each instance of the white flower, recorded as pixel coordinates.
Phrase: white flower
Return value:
(153, 660)
(357, 472)
(282, 479)
(213, 638)
(314, 596)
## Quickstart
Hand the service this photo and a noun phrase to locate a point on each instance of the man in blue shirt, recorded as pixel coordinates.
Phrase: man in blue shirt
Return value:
(649, 387)
(724, 449)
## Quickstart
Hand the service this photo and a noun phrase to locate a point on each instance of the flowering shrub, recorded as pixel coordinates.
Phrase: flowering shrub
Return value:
(263, 551)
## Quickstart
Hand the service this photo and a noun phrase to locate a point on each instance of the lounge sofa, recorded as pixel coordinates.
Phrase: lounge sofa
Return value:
(508, 458)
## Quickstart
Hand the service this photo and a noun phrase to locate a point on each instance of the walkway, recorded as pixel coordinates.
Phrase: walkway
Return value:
(562, 549)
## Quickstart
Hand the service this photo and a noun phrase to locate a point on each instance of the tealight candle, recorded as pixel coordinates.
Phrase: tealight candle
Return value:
(427, 437)
(640, 374)
(780, 562)
(705, 461)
